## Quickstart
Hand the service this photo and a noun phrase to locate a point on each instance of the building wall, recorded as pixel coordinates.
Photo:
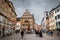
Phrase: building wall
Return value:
(57, 17)
(26, 23)
(47, 20)
(27, 17)
(52, 21)
(8, 14)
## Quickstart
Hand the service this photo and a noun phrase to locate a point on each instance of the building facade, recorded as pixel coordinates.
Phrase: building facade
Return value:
(7, 15)
(52, 21)
(57, 17)
(43, 24)
(46, 13)
(27, 21)
(17, 24)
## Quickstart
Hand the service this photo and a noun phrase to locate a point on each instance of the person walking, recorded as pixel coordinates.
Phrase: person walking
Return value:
(36, 32)
(22, 33)
(40, 33)
(49, 33)
(3, 31)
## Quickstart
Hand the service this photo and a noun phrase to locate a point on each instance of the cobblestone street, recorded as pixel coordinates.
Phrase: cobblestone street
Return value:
(28, 37)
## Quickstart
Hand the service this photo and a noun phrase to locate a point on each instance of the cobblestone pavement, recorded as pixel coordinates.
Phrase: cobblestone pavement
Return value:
(29, 37)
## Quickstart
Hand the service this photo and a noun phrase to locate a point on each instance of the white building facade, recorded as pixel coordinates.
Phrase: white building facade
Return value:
(57, 17)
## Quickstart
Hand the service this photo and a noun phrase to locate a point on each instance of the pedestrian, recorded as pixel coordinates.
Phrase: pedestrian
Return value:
(49, 33)
(40, 33)
(22, 33)
(3, 31)
(16, 31)
(36, 32)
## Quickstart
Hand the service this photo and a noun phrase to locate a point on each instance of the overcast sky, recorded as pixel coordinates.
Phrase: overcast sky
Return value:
(36, 7)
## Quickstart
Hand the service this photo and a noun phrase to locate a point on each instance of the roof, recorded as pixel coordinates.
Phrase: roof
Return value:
(26, 14)
(55, 8)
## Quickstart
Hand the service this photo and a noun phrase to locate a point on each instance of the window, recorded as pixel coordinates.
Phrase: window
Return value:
(46, 14)
(59, 16)
(56, 17)
(59, 23)
(57, 11)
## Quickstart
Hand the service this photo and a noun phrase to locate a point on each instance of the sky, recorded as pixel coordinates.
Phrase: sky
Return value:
(36, 7)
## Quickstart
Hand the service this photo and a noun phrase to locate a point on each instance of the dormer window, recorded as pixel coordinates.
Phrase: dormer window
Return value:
(57, 11)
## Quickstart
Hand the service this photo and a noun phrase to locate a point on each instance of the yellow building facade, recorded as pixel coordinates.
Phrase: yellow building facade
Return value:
(27, 20)
(7, 15)
(52, 22)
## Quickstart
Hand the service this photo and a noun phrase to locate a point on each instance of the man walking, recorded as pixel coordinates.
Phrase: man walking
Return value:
(40, 33)
(22, 33)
